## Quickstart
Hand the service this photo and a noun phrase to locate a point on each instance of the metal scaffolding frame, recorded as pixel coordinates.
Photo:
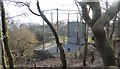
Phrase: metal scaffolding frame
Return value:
(74, 12)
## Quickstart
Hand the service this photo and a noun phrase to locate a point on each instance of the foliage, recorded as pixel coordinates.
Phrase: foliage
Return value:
(37, 30)
(47, 35)
(62, 28)
(21, 39)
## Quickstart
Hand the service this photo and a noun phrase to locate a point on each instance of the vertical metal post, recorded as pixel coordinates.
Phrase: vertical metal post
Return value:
(52, 18)
(57, 27)
(78, 40)
(63, 36)
(43, 34)
(68, 24)
(81, 29)
(57, 20)
(53, 25)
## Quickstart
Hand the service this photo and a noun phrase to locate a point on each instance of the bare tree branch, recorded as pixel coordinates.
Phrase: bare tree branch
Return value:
(111, 35)
(33, 12)
(28, 6)
(109, 14)
(44, 18)
(59, 45)
(15, 16)
(85, 12)
(95, 6)
(102, 43)
(78, 7)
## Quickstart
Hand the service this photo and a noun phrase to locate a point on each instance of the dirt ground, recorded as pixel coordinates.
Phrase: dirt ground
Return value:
(71, 61)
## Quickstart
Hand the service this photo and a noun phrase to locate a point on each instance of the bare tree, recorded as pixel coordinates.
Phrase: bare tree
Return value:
(97, 24)
(59, 45)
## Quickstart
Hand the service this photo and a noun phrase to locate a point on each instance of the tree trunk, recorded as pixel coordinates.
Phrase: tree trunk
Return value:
(5, 39)
(97, 25)
(103, 46)
(2, 52)
(2, 47)
(3, 58)
(59, 45)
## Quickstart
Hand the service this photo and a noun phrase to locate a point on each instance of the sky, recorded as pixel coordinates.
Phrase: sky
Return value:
(13, 10)
(45, 5)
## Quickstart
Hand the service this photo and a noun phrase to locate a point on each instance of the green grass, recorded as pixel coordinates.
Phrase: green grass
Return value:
(90, 40)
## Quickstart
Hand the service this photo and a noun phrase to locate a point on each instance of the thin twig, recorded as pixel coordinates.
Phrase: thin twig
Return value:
(28, 6)
(78, 7)
(113, 28)
(15, 16)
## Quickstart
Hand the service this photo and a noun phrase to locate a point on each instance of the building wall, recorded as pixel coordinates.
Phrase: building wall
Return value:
(75, 32)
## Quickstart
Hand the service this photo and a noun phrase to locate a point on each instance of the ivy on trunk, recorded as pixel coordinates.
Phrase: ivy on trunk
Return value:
(5, 37)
